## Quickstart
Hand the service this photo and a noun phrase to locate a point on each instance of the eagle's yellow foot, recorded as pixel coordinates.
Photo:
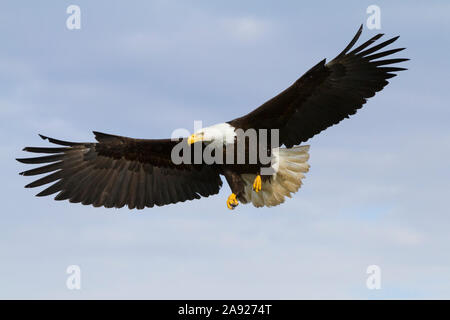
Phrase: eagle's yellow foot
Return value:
(232, 201)
(257, 183)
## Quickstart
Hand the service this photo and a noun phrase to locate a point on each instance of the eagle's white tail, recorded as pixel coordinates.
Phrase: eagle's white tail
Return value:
(290, 166)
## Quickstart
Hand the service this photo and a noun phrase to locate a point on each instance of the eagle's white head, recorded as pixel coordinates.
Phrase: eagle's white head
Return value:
(221, 133)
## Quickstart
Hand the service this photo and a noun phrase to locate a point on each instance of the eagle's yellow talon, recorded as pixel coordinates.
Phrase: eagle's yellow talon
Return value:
(232, 201)
(257, 183)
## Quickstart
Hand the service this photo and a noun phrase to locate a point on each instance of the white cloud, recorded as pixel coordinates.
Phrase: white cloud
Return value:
(246, 28)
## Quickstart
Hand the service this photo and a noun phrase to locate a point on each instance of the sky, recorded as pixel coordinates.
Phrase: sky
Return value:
(376, 193)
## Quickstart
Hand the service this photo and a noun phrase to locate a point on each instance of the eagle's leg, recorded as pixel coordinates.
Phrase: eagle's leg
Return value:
(232, 201)
(257, 183)
(237, 186)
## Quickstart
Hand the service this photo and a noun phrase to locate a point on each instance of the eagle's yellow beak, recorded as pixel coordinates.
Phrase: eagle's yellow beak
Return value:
(193, 138)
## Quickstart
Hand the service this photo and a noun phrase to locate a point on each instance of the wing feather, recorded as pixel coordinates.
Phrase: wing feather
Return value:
(118, 171)
(327, 93)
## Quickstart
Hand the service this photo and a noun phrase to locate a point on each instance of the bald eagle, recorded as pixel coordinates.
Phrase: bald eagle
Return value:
(116, 171)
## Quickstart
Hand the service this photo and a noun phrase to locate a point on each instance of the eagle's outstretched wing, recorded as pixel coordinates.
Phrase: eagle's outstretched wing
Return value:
(326, 94)
(118, 171)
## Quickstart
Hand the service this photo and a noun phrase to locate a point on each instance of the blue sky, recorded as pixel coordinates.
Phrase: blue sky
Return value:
(376, 192)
